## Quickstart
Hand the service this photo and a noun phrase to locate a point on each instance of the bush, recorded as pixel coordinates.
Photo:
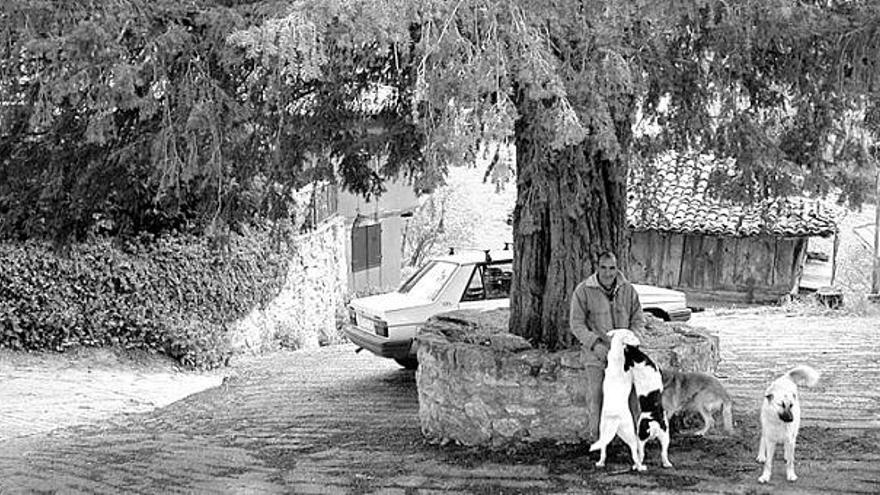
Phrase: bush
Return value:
(176, 295)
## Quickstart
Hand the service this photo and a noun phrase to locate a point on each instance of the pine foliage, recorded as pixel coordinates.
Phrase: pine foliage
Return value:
(169, 114)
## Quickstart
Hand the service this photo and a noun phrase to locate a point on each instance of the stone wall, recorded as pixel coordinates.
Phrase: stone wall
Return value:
(479, 385)
(304, 313)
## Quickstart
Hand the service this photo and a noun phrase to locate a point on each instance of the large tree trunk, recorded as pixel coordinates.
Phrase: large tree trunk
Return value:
(570, 206)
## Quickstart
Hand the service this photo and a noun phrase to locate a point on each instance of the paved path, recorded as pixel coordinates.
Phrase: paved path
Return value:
(756, 348)
(332, 421)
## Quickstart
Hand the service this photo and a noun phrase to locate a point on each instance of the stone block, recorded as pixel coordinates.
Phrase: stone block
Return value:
(476, 409)
(519, 410)
(507, 427)
(507, 342)
(571, 358)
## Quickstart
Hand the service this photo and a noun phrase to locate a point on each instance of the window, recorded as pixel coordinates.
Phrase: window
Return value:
(497, 279)
(475, 290)
(366, 247)
(429, 280)
(489, 282)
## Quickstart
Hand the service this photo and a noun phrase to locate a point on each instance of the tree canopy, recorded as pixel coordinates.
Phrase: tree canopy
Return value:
(196, 112)
(131, 116)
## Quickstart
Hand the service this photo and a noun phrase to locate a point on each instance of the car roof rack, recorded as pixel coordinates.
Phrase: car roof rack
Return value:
(484, 251)
(454, 249)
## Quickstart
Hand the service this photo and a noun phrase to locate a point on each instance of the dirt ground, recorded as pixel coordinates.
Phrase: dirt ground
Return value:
(715, 464)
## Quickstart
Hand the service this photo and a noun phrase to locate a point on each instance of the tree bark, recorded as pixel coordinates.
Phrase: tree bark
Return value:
(875, 272)
(570, 206)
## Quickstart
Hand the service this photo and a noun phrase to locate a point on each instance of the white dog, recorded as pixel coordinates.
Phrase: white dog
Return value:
(781, 418)
(616, 418)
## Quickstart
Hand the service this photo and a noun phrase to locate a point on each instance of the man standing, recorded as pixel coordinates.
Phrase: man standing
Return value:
(604, 301)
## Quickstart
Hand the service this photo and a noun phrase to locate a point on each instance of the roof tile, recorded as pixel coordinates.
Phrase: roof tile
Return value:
(675, 204)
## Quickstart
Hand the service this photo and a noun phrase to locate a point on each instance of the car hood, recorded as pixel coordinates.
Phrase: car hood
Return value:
(650, 292)
(385, 305)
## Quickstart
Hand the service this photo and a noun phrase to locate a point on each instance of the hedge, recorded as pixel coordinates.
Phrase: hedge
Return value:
(175, 295)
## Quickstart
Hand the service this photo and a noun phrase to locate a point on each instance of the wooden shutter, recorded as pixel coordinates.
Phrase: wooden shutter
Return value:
(374, 245)
(358, 249)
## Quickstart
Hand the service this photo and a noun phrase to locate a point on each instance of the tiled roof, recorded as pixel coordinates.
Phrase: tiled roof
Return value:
(675, 200)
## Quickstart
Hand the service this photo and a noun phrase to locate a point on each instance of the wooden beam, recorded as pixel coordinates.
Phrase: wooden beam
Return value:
(697, 297)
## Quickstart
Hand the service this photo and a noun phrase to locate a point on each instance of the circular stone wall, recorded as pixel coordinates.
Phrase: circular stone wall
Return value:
(480, 385)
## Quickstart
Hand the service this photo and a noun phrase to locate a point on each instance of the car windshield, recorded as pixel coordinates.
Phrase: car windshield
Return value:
(427, 282)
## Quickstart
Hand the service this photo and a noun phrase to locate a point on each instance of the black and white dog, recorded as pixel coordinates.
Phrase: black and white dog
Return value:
(649, 388)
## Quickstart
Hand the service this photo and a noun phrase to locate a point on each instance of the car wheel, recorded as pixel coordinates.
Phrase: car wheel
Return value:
(409, 363)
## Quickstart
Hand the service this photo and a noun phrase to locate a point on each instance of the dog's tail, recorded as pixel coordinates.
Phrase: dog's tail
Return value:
(804, 375)
(727, 415)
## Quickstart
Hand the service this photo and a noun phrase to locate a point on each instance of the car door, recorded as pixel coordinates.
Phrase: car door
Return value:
(488, 286)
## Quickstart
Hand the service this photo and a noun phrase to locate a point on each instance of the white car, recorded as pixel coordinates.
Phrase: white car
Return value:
(385, 324)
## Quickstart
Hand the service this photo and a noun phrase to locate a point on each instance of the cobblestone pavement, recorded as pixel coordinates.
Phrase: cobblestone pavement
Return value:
(332, 421)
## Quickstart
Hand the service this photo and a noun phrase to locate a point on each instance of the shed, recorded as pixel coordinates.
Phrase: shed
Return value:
(717, 251)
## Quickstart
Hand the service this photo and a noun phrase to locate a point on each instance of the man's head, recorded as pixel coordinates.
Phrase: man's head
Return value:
(607, 268)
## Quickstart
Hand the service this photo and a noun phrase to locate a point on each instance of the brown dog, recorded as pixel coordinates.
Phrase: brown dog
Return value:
(700, 393)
